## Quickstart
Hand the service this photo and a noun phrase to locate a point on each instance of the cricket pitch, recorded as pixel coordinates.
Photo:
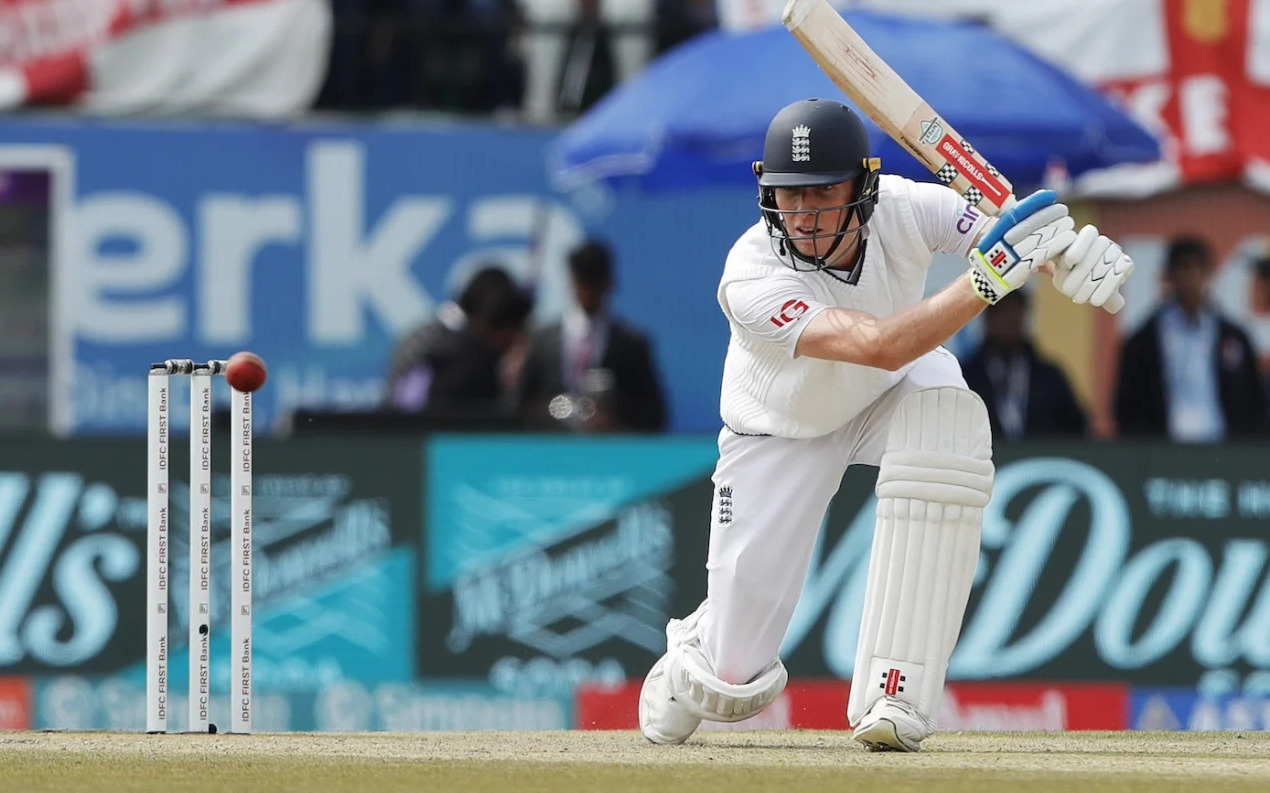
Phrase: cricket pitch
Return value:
(551, 762)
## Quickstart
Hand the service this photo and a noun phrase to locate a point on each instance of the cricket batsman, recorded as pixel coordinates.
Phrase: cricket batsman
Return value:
(835, 360)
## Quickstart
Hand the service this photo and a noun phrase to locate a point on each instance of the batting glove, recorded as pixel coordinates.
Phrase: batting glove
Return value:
(1092, 270)
(1035, 231)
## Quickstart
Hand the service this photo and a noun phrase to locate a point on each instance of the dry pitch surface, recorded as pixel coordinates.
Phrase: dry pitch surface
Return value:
(735, 762)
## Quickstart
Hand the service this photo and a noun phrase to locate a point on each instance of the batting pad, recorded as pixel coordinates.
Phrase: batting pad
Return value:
(934, 480)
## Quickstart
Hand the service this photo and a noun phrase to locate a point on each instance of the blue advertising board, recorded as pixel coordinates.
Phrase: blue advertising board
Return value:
(1182, 708)
(318, 244)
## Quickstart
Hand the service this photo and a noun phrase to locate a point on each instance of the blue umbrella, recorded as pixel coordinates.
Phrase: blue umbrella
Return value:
(696, 116)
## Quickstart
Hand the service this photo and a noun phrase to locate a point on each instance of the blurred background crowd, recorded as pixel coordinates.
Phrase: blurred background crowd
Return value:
(534, 60)
(478, 244)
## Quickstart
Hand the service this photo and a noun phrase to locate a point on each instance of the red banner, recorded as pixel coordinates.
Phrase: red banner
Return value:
(249, 57)
(15, 703)
(1030, 706)
(1203, 96)
(822, 705)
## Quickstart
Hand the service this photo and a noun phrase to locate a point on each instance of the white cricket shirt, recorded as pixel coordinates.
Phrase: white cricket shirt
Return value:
(767, 390)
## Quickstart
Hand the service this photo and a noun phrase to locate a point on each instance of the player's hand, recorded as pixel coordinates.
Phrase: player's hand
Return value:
(1092, 270)
(1036, 230)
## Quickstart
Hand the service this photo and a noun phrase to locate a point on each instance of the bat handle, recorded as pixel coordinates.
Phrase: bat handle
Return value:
(1113, 304)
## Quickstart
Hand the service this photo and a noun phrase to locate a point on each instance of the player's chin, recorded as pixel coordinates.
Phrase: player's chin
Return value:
(810, 248)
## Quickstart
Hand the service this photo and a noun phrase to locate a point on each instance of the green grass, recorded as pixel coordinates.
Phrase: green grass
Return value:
(736, 762)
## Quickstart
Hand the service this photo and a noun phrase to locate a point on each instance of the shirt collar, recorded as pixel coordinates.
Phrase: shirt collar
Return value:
(1174, 314)
(577, 324)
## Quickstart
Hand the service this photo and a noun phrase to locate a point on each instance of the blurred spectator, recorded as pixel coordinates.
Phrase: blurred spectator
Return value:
(591, 370)
(368, 67)
(557, 61)
(1261, 310)
(1188, 373)
(1026, 395)
(680, 20)
(451, 365)
(444, 54)
(483, 56)
(465, 54)
(692, 15)
(1261, 285)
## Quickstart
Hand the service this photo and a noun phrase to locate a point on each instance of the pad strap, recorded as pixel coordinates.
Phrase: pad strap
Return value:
(942, 477)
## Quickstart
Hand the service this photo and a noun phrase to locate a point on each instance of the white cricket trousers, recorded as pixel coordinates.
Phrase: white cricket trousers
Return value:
(780, 489)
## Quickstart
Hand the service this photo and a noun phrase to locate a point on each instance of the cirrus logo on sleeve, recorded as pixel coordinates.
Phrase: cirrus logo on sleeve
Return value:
(968, 219)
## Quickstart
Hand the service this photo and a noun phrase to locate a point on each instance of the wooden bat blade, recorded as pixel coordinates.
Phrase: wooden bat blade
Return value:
(894, 106)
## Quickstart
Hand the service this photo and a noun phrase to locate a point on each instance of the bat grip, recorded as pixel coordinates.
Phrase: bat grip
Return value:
(1016, 212)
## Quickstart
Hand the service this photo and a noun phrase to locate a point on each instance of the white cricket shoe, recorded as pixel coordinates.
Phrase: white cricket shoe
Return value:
(893, 725)
(661, 718)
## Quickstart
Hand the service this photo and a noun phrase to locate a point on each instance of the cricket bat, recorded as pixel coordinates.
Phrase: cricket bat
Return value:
(894, 106)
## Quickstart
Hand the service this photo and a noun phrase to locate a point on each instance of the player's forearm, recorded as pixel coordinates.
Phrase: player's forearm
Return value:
(838, 334)
(917, 330)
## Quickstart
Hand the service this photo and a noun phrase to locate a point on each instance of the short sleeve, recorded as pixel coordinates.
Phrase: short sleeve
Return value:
(775, 310)
(946, 222)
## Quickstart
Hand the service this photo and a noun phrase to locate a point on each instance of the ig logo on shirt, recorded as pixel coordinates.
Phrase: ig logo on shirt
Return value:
(792, 310)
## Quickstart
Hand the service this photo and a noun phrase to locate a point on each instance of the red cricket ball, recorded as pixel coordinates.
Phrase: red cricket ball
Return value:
(245, 371)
